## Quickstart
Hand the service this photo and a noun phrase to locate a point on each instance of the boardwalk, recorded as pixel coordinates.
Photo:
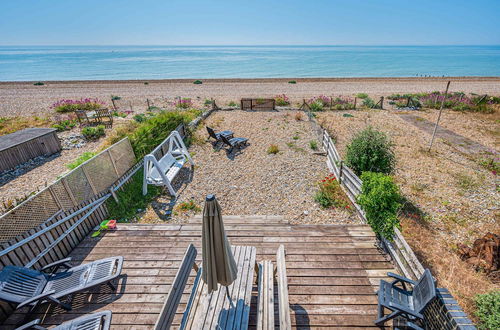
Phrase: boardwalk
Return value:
(333, 271)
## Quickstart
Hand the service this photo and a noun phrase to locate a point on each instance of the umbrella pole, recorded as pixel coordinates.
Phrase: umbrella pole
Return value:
(229, 297)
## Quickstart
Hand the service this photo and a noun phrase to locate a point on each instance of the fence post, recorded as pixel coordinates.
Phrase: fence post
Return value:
(147, 101)
(340, 171)
(382, 103)
(355, 100)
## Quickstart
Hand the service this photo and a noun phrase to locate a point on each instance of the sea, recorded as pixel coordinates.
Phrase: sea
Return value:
(46, 63)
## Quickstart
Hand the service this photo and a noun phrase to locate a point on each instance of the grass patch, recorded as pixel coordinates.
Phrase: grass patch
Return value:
(273, 149)
(80, 160)
(232, 104)
(13, 124)
(294, 147)
(488, 310)
(362, 95)
(93, 133)
(313, 144)
(131, 199)
(465, 181)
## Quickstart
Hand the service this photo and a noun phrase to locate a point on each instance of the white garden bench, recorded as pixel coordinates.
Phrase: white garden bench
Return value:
(163, 164)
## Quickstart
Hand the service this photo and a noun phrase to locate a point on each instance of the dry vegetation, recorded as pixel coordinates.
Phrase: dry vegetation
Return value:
(456, 199)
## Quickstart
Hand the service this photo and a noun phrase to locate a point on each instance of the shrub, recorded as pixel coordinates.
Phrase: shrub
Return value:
(343, 103)
(189, 206)
(362, 95)
(313, 145)
(154, 130)
(146, 83)
(381, 201)
(131, 199)
(292, 82)
(80, 160)
(87, 104)
(38, 83)
(316, 106)
(273, 149)
(197, 82)
(330, 194)
(115, 98)
(232, 104)
(183, 103)
(368, 103)
(93, 133)
(208, 102)
(488, 310)
(65, 125)
(120, 114)
(370, 150)
(282, 100)
(140, 118)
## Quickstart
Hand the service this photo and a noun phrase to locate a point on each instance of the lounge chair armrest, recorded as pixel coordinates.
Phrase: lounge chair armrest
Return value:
(31, 325)
(406, 310)
(60, 263)
(36, 298)
(400, 278)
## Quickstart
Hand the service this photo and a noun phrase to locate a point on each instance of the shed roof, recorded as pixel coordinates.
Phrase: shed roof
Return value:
(19, 137)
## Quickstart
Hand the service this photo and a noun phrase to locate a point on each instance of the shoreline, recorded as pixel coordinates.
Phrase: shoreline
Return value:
(258, 80)
(25, 99)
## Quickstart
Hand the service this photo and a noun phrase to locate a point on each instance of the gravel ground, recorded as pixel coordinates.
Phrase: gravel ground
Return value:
(40, 176)
(253, 181)
(460, 196)
(24, 99)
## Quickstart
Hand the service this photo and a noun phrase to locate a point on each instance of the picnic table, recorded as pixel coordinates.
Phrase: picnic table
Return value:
(214, 310)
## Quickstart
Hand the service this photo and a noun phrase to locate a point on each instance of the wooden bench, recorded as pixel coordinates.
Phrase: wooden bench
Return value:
(161, 172)
(97, 117)
(214, 310)
(265, 304)
(284, 307)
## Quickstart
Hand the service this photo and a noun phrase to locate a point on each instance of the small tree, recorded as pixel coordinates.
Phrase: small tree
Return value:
(381, 201)
(370, 150)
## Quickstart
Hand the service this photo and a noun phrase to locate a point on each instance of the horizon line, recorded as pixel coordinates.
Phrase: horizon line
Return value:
(245, 45)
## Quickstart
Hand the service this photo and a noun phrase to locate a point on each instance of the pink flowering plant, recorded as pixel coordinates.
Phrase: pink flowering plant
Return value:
(282, 100)
(342, 103)
(183, 103)
(87, 104)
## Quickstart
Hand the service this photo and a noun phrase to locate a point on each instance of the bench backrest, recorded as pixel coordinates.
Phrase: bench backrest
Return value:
(424, 291)
(169, 308)
(284, 307)
(166, 162)
(211, 133)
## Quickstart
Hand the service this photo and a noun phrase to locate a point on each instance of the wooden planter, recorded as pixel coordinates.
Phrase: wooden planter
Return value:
(26, 144)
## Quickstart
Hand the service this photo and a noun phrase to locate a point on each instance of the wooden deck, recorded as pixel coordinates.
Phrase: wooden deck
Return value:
(333, 271)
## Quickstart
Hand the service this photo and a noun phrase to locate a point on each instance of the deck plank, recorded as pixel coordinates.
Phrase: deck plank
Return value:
(333, 272)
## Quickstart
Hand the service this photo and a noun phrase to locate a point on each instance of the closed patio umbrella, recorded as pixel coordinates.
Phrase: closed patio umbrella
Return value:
(219, 266)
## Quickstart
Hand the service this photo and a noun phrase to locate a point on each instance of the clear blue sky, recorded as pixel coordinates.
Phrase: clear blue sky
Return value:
(255, 22)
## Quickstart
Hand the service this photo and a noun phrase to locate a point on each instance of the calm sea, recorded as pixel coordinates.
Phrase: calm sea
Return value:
(18, 63)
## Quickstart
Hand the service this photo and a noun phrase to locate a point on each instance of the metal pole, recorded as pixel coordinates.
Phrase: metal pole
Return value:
(439, 116)
(229, 297)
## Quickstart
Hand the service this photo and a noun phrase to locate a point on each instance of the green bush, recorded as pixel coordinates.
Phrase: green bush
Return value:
(197, 82)
(313, 144)
(488, 310)
(154, 130)
(381, 201)
(131, 199)
(292, 82)
(80, 160)
(370, 150)
(64, 125)
(362, 95)
(316, 106)
(38, 83)
(93, 133)
(140, 118)
(368, 102)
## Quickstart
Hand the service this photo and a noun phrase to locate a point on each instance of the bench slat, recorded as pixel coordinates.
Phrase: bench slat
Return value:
(265, 305)
(284, 308)
(174, 296)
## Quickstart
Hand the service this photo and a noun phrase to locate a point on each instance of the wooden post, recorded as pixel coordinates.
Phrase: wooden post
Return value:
(113, 101)
(130, 104)
(331, 102)
(340, 171)
(355, 101)
(439, 116)
(382, 103)
(147, 101)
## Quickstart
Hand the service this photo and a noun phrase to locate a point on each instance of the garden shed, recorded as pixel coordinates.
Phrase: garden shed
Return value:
(19, 147)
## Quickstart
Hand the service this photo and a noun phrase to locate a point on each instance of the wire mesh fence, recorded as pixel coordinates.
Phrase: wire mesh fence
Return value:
(81, 184)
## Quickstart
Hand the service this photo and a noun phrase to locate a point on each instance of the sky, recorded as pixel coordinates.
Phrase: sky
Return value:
(256, 22)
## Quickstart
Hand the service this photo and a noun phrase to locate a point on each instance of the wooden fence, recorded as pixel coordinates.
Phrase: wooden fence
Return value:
(59, 235)
(81, 184)
(398, 248)
(258, 104)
